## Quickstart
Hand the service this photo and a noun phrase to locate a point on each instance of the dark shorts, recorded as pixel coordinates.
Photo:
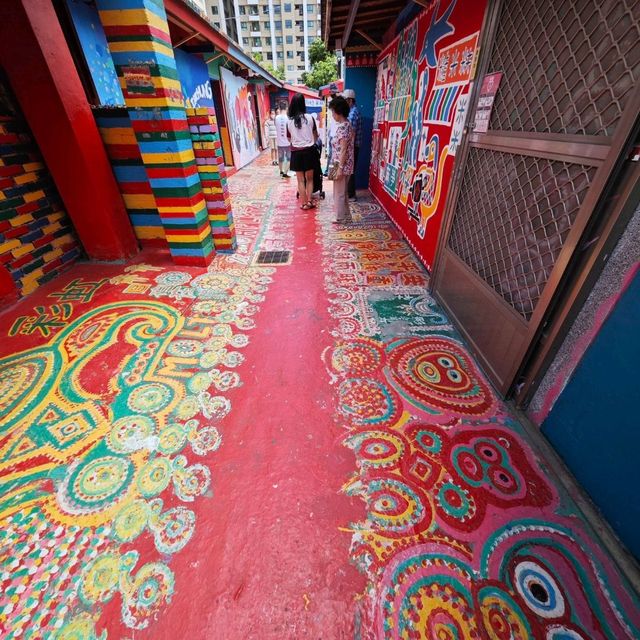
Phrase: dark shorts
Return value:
(304, 159)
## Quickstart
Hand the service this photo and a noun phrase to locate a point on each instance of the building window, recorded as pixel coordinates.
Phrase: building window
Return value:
(265, 9)
(290, 67)
(299, 24)
(243, 26)
(214, 10)
(266, 25)
(287, 7)
(288, 24)
(289, 54)
(245, 42)
(253, 10)
(268, 40)
(289, 39)
(278, 25)
(256, 42)
(242, 10)
(216, 24)
(269, 56)
(279, 54)
(278, 39)
(311, 8)
(311, 24)
(276, 9)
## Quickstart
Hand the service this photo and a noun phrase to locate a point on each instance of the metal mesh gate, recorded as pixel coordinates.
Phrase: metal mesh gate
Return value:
(568, 100)
(571, 65)
(570, 68)
(518, 211)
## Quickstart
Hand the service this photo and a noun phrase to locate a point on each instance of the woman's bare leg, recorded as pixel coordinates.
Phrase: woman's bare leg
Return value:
(309, 176)
(301, 187)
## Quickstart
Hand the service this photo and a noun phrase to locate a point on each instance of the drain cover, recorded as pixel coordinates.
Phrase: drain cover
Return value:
(272, 257)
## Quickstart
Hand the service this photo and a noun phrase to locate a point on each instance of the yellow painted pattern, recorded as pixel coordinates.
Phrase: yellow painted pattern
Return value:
(149, 233)
(132, 17)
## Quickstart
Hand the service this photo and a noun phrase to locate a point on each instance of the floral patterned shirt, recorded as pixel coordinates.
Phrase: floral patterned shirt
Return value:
(343, 134)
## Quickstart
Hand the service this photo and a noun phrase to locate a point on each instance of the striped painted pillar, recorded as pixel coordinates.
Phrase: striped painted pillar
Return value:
(140, 45)
(213, 176)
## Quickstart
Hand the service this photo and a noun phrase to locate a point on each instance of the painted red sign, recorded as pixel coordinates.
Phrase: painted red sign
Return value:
(488, 92)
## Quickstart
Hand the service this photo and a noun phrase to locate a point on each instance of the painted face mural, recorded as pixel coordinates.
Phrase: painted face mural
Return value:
(426, 98)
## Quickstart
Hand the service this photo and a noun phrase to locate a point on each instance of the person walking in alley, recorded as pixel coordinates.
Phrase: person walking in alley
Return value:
(356, 124)
(342, 152)
(270, 136)
(282, 141)
(303, 133)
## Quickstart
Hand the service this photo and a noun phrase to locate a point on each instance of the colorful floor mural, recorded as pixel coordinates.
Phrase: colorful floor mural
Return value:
(466, 535)
(302, 451)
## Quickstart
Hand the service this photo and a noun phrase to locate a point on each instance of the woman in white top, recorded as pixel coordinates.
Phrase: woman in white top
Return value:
(303, 133)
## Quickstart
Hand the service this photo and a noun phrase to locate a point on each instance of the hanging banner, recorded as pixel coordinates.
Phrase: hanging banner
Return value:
(243, 128)
(422, 93)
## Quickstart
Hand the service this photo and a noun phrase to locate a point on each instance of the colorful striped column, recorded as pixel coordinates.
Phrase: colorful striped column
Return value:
(123, 151)
(213, 176)
(140, 45)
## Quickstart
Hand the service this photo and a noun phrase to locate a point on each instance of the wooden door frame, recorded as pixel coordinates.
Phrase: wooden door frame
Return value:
(600, 239)
(559, 299)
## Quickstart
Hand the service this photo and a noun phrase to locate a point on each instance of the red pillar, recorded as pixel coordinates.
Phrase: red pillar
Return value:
(42, 74)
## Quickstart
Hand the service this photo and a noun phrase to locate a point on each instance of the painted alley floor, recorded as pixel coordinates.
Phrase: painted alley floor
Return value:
(299, 452)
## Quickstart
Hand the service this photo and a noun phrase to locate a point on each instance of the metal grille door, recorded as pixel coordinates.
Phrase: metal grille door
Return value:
(565, 108)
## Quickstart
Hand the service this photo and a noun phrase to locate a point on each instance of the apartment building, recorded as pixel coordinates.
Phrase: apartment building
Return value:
(280, 31)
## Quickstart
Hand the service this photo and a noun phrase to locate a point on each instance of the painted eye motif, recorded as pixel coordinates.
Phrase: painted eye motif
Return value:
(503, 480)
(446, 362)
(487, 451)
(454, 375)
(539, 590)
(469, 467)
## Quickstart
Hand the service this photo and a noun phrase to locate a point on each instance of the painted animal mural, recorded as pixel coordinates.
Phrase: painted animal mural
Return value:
(422, 90)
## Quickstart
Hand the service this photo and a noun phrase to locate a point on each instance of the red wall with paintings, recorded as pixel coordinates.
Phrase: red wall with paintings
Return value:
(422, 93)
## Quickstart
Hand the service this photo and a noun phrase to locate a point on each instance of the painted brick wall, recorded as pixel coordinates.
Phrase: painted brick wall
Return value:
(36, 235)
(123, 151)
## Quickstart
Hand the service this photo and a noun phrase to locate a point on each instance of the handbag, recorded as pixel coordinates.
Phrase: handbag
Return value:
(333, 171)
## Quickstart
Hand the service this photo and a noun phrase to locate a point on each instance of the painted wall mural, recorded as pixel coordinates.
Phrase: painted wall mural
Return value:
(90, 32)
(194, 78)
(241, 119)
(422, 94)
(264, 105)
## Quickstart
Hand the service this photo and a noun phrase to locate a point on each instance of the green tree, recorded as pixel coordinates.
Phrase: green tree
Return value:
(323, 72)
(317, 52)
(276, 72)
(257, 56)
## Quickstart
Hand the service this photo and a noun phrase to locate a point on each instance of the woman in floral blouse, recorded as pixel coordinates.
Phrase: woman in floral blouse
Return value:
(342, 154)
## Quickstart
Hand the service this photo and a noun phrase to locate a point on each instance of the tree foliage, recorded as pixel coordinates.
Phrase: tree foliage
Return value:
(317, 51)
(323, 72)
(276, 72)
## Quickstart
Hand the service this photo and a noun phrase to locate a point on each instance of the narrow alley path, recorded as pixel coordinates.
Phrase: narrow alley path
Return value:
(297, 452)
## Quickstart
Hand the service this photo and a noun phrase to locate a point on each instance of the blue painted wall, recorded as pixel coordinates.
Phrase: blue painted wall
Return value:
(96, 52)
(595, 423)
(363, 81)
(194, 78)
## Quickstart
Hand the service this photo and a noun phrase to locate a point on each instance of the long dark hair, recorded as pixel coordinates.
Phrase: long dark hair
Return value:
(297, 110)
